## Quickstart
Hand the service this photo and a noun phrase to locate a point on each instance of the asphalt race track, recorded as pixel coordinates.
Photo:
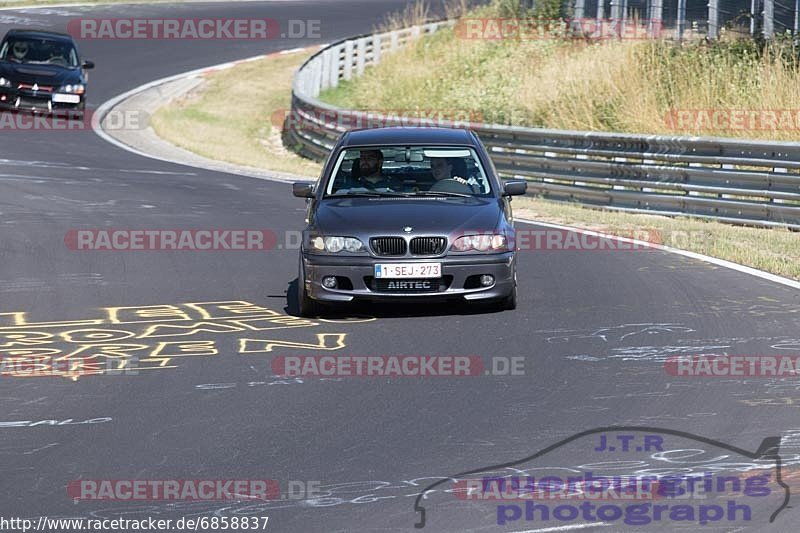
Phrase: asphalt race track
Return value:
(594, 328)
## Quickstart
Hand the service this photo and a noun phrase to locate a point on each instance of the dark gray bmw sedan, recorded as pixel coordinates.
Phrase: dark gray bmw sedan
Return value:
(407, 214)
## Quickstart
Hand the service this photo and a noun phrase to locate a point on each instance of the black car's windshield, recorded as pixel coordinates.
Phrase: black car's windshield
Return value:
(408, 171)
(39, 52)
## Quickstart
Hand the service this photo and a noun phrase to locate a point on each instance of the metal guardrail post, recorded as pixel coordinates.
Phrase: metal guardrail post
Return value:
(376, 49)
(316, 79)
(333, 67)
(347, 74)
(656, 16)
(325, 69)
(796, 17)
(769, 19)
(361, 52)
(615, 16)
(579, 9)
(713, 19)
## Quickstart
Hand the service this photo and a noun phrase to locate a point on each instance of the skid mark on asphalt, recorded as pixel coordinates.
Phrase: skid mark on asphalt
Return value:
(617, 333)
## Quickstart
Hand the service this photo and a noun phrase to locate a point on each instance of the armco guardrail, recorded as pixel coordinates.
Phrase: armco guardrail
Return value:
(748, 182)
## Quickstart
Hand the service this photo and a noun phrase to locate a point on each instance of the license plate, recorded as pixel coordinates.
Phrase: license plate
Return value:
(408, 270)
(66, 98)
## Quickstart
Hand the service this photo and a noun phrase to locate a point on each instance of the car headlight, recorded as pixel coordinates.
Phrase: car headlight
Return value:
(5, 82)
(77, 88)
(335, 244)
(485, 242)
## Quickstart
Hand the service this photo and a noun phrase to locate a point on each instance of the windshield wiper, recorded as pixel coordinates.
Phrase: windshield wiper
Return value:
(440, 193)
(369, 194)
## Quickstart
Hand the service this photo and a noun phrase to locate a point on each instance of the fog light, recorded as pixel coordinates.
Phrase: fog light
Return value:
(487, 280)
(329, 282)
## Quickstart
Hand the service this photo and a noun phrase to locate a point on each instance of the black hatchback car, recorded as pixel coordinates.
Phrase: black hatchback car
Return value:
(409, 214)
(42, 72)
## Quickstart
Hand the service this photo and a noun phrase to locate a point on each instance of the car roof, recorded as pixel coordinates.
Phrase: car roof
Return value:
(408, 136)
(39, 34)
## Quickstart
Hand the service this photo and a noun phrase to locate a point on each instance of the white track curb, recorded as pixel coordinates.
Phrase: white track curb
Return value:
(694, 255)
(108, 105)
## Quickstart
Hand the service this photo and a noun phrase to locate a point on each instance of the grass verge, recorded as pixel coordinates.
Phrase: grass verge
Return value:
(772, 250)
(733, 88)
(235, 116)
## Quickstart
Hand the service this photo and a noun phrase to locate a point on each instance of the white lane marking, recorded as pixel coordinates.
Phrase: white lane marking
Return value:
(708, 259)
(108, 105)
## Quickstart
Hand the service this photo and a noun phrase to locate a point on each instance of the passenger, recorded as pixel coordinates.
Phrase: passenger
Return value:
(449, 168)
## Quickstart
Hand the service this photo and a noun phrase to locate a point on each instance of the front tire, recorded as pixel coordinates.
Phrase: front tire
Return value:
(307, 307)
(509, 303)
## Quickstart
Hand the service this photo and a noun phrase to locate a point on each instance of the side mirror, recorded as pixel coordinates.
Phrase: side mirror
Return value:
(88, 65)
(514, 188)
(303, 190)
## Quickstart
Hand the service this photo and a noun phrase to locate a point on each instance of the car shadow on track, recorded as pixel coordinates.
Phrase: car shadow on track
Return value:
(389, 309)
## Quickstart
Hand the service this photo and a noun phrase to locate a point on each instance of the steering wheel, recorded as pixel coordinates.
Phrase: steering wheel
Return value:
(451, 185)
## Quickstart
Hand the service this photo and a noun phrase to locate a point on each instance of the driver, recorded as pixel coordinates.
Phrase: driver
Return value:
(58, 53)
(370, 165)
(20, 50)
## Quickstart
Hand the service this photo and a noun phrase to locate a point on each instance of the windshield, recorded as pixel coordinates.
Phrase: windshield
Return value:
(39, 52)
(408, 171)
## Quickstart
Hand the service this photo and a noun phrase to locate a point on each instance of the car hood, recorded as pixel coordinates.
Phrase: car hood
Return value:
(48, 75)
(388, 216)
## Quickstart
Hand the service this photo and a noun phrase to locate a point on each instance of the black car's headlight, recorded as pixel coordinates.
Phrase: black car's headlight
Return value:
(484, 242)
(335, 244)
(75, 88)
(5, 82)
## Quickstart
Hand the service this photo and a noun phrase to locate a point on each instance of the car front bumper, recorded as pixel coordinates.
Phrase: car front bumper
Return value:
(459, 274)
(38, 102)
